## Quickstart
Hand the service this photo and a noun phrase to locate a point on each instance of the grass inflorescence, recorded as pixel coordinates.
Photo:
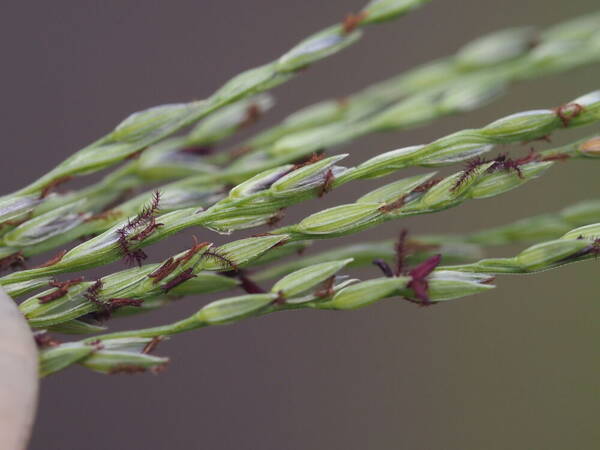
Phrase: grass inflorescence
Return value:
(254, 183)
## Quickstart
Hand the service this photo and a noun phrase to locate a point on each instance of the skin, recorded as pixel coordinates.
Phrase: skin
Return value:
(18, 376)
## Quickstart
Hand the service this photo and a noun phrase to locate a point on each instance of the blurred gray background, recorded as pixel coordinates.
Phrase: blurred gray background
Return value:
(516, 368)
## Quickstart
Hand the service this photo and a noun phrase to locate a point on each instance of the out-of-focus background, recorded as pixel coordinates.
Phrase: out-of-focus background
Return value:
(515, 368)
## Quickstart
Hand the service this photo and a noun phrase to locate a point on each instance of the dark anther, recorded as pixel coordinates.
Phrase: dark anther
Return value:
(146, 232)
(115, 303)
(196, 247)
(179, 279)
(247, 284)
(403, 248)
(164, 271)
(385, 267)
(419, 283)
(62, 289)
